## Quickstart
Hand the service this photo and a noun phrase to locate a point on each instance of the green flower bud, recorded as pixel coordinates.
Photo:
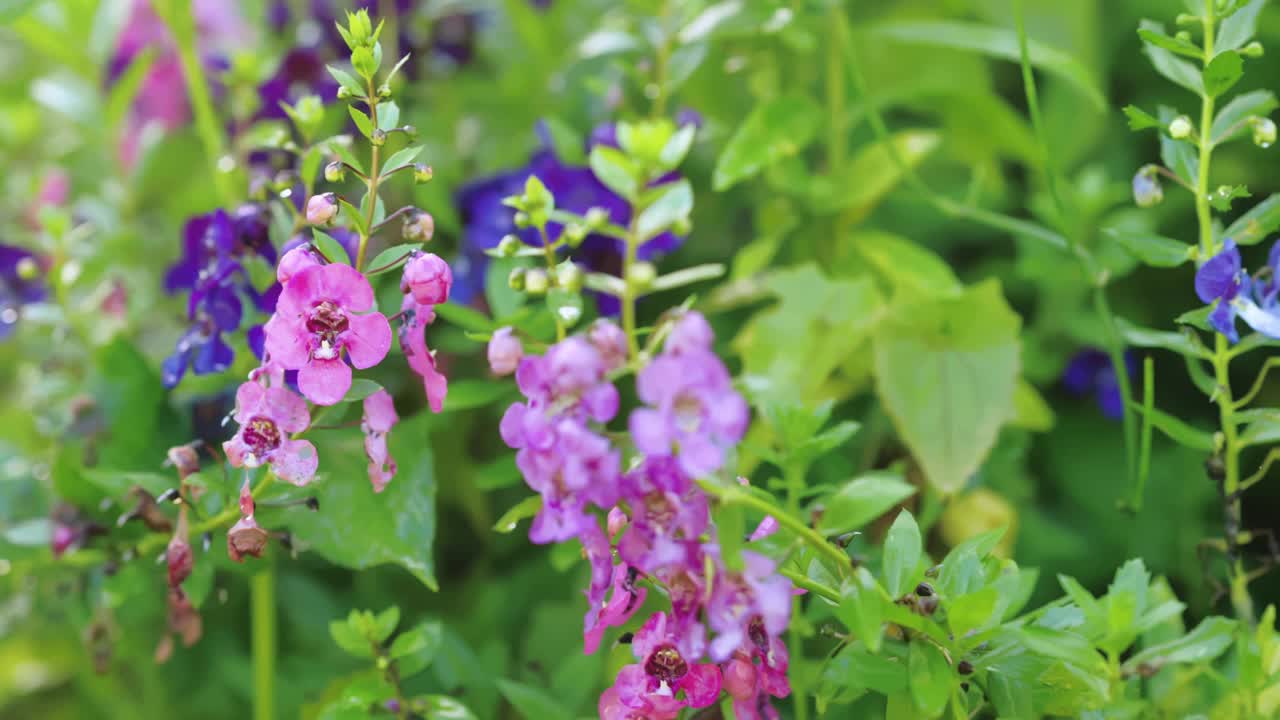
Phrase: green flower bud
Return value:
(384, 91)
(335, 172)
(1264, 132)
(1146, 187)
(378, 138)
(682, 226)
(574, 234)
(596, 217)
(536, 281)
(569, 276)
(360, 27)
(343, 93)
(1180, 128)
(508, 245)
(422, 173)
(27, 268)
(410, 131)
(522, 219)
(641, 276)
(1252, 50)
(516, 280)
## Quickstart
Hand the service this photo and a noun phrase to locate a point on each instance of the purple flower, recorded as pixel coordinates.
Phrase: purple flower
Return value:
(504, 351)
(20, 284)
(1218, 283)
(752, 679)
(202, 348)
(606, 577)
(301, 72)
(379, 417)
(1262, 312)
(267, 416)
(694, 413)
(1090, 371)
(427, 277)
(668, 677)
(570, 377)
(748, 609)
(422, 360)
(668, 514)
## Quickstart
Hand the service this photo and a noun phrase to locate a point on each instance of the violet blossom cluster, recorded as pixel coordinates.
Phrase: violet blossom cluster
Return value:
(723, 630)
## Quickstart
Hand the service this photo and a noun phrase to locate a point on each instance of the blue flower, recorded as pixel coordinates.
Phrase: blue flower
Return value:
(20, 284)
(1262, 311)
(1090, 372)
(1219, 283)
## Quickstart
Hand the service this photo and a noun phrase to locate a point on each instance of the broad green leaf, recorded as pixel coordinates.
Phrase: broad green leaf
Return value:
(1064, 645)
(1151, 249)
(443, 707)
(974, 611)
(1178, 342)
(1010, 695)
(384, 623)
(861, 608)
(946, 370)
(855, 666)
(1239, 27)
(465, 317)
(330, 248)
(1180, 156)
(909, 269)
(1222, 73)
(931, 678)
(1228, 123)
(674, 152)
(348, 637)
(361, 388)
(533, 703)
(1170, 66)
(870, 175)
(340, 145)
(1030, 410)
(731, 528)
(390, 259)
(1177, 430)
(1221, 201)
(673, 204)
(1263, 431)
(1255, 225)
(357, 528)
(903, 548)
(615, 170)
(362, 121)
(775, 129)
(522, 510)
(388, 115)
(1207, 641)
(402, 157)
(862, 500)
(416, 648)
(468, 393)
(1172, 44)
(996, 42)
(347, 80)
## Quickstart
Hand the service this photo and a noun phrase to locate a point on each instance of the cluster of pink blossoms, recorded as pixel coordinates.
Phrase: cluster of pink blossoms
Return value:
(325, 325)
(658, 529)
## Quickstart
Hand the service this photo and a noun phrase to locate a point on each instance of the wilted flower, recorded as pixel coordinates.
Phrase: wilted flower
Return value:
(178, 555)
(245, 537)
(1146, 187)
(379, 417)
(418, 227)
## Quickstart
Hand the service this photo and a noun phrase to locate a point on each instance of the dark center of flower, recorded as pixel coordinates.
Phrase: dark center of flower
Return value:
(261, 435)
(666, 664)
(327, 321)
(756, 631)
(659, 510)
(688, 413)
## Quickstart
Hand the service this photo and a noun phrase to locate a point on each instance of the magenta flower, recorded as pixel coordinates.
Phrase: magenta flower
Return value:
(695, 414)
(752, 685)
(316, 320)
(504, 351)
(267, 415)
(570, 377)
(296, 260)
(322, 209)
(427, 277)
(610, 341)
(626, 598)
(668, 677)
(668, 514)
(422, 360)
(379, 417)
(748, 609)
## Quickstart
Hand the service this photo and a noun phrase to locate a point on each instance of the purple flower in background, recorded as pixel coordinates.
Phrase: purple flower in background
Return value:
(1090, 372)
(301, 72)
(1220, 280)
(20, 284)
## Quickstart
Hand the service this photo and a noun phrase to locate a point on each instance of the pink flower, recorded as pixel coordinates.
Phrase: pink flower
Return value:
(296, 260)
(413, 341)
(316, 320)
(379, 417)
(668, 678)
(321, 209)
(611, 341)
(266, 417)
(504, 352)
(605, 575)
(427, 277)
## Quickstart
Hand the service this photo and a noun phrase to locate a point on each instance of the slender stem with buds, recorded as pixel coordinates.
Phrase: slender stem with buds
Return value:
(628, 299)
(372, 182)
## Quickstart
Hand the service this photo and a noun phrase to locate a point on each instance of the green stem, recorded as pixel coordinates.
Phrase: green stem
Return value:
(262, 592)
(372, 197)
(181, 25)
(799, 579)
(549, 253)
(795, 473)
(628, 299)
(734, 494)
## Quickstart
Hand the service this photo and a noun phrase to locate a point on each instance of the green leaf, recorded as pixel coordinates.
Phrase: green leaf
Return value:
(415, 649)
(1177, 430)
(615, 170)
(1207, 641)
(1153, 250)
(402, 158)
(673, 205)
(862, 500)
(468, 394)
(1221, 201)
(861, 608)
(909, 269)
(443, 707)
(388, 115)
(522, 510)
(930, 677)
(1063, 645)
(1178, 342)
(347, 80)
(332, 251)
(1010, 695)
(1239, 27)
(973, 611)
(1222, 73)
(674, 152)
(340, 145)
(1198, 318)
(1227, 124)
(361, 388)
(1167, 64)
(1263, 431)
(532, 703)
(903, 548)
(354, 216)
(385, 623)
(774, 130)
(357, 528)
(362, 121)
(731, 528)
(125, 89)
(1178, 155)
(465, 317)
(870, 175)
(348, 637)
(1255, 225)
(390, 259)
(1030, 410)
(1172, 44)
(995, 42)
(946, 370)
(1140, 119)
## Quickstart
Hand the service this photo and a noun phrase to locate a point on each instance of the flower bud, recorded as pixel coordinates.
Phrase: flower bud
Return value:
(322, 209)
(610, 341)
(185, 459)
(521, 219)
(418, 227)
(179, 558)
(384, 91)
(740, 678)
(574, 234)
(422, 173)
(335, 172)
(1264, 132)
(569, 277)
(1180, 128)
(536, 281)
(1252, 50)
(360, 27)
(640, 276)
(428, 277)
(27, 268)
(246, 538)
(515, 280)
(378, 138)
(508, 245)
(504, 352)
(64, 537)
(617, 522)
(596, 217)
(410, 131)
(343, 93)
(682, 226)
(1146, 187)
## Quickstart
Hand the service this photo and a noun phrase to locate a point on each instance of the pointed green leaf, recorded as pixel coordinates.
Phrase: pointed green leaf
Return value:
(862, 500)
(774, 130)
(903, 548)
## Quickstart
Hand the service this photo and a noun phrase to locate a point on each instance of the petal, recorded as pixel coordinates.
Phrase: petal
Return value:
(235, 450)
(380, 412)
(1218, 277)
(1223, 319)
(649, 430)
(511, 427)
(174, 367)
(295, 461)
(368, 339)
(601, 402)
(1263, 321)
(701, 685)
(347, 287)
(249, 398)
(288, 409)
(214, 356)
(632, 686)
(286, 342)
(324, 382)
(304, 288)
(223, 305)
(698, 456)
